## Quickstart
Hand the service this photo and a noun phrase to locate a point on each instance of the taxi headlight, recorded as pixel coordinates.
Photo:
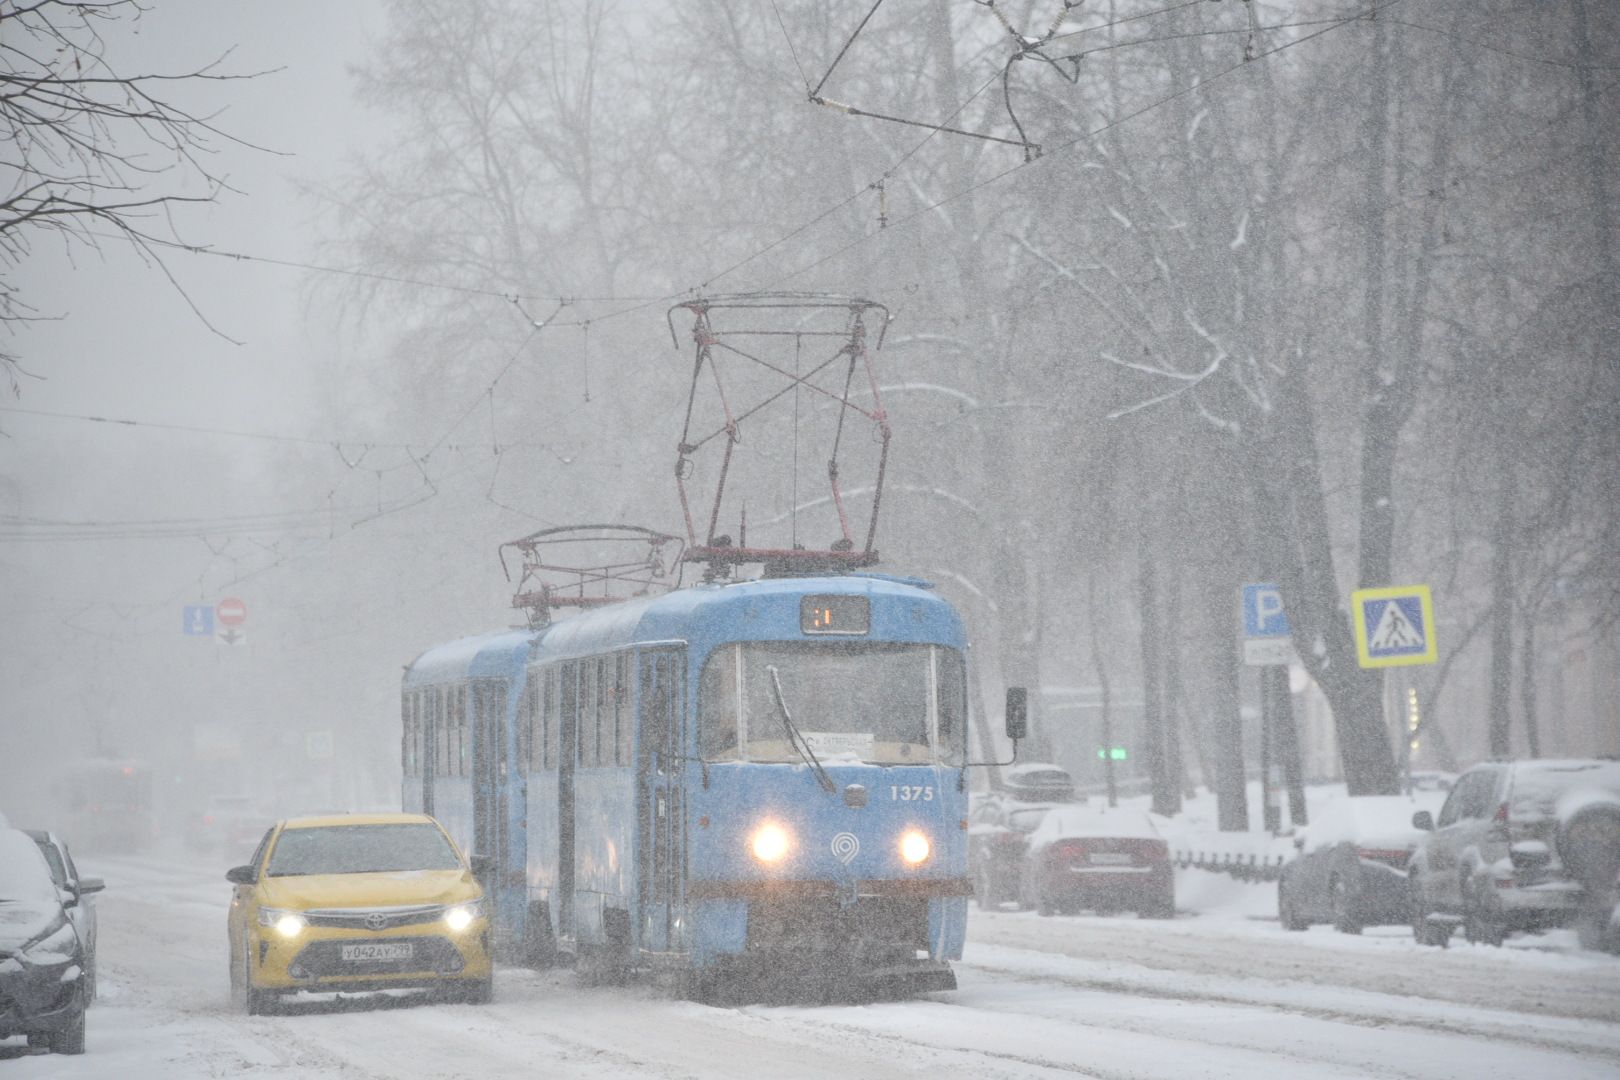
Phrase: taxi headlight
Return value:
(461, 916)
(288, 924)
(770, 843)
(914, 847)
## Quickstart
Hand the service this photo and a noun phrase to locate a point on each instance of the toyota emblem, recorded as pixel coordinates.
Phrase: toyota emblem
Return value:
(376, 921)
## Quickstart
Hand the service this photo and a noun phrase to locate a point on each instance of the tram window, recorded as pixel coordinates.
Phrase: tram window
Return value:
(441, 733)
(717, 704)
(608, 740)
(590, 686)
(525, 750)
(621, 706)
(416, 733)
(952, 683)
(568, 704)
(461, 732)
(548, 720)
(444, 700)
(653, 726)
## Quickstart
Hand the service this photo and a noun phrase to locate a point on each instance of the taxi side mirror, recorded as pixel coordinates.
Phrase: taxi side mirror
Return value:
(1017, 712)
(241, 875)
(1423, 820)
(90, 885)
(481, 865)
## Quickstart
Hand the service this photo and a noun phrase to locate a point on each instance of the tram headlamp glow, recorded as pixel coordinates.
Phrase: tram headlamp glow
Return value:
(770, 843)
(289, 924)
(461, 916)
(914, 847)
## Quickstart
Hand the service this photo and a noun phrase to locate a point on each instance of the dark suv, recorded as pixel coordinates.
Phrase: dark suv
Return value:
(1497, 859)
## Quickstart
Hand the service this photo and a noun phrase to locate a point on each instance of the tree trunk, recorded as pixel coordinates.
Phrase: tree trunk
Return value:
(1107, 733)
(1153, 754)
(1226, 715)
(1501, 703)
(1527, 687)
(1310, 590)
(1173, 701)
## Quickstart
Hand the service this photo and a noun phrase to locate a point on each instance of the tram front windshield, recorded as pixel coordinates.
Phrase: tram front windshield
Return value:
(886, 704)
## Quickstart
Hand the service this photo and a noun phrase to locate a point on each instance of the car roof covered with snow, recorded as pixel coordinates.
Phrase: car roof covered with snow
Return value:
(1038, 782)
(1080, 821)
(1374, 821)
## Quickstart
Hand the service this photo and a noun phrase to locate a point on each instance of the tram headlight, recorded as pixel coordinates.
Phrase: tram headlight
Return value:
(289, 924)
(770, 843)
(914, 847)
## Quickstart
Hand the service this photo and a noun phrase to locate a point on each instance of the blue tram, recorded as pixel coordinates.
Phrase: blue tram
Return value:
(724, 780)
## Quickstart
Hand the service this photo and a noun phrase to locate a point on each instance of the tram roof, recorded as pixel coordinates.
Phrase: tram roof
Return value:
(700, 614)
(713, 613)
(483, 655)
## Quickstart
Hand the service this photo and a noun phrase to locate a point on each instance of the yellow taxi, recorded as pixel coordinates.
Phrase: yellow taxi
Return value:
(357, 902)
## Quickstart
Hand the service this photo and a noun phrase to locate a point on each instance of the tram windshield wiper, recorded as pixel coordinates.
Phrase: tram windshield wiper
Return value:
(796, 739)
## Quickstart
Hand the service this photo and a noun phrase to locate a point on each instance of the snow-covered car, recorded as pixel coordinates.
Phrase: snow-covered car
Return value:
(1432, 780)
(1100, 858)
(1494, 860)
(1000, 822)
(43, 992)
(1035, 781)
(998, 837)
(357, 902)
(78, 897)
(1350, 869)
(228, 823)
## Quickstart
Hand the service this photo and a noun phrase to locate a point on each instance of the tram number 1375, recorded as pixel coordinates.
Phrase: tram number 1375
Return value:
(911, 793)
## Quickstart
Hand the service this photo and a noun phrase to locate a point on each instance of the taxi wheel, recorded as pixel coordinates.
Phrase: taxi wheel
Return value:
(254, 1002)
(474, 991)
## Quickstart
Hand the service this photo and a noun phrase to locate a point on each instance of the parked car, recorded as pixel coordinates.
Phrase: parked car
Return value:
(357, 902)
(228, 823)
(1432, 780)
(1104, 859)
(78, 893)
(1494, 860)
(1000, 824)
(1351, 867)
(43, 993)
(1038, 782)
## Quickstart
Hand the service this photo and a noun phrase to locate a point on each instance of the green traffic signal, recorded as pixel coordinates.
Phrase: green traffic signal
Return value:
(1116, 753)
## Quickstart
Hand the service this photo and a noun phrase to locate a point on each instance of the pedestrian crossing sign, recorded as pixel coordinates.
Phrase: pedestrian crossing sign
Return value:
(1394, 626)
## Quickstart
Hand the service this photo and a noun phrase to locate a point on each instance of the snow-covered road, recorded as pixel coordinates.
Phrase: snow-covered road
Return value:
(1217, 993)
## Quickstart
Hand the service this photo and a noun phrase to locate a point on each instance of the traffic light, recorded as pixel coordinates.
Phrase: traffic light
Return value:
(1111, 753)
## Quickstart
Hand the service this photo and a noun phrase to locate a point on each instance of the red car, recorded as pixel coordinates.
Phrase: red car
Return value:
(1103, 859)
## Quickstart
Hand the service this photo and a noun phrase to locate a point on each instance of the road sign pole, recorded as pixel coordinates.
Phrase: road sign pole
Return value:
(1271, 812)
(1286, 745)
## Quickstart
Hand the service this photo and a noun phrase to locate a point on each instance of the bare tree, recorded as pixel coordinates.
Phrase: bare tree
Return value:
(92, 153)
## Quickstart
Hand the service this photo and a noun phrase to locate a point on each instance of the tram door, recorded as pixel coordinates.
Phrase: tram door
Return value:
(489, 769)
(659, 800)
(568, 755)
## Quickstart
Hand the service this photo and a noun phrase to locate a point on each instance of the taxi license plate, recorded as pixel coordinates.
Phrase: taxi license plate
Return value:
(378, 950)
(1111, 858)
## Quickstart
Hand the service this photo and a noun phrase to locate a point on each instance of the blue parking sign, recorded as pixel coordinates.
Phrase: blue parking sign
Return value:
(198, 620)
(1263, 614)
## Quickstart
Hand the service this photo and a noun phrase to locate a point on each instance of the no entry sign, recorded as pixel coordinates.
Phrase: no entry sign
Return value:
(230, 612)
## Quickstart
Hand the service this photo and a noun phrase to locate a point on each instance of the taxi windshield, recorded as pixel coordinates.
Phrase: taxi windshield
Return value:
(361, 849)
